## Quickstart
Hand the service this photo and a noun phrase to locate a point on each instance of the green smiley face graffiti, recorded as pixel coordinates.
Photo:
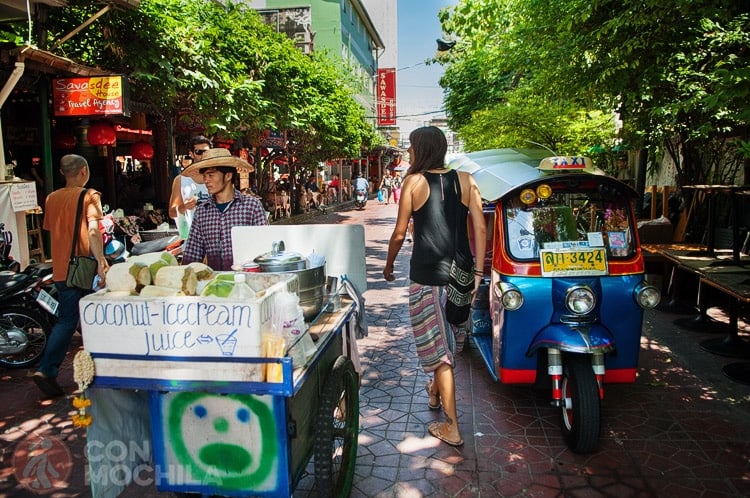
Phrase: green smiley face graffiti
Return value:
(224, 440)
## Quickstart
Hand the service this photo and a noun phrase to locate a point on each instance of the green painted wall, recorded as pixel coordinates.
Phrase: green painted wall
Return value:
(340, 33)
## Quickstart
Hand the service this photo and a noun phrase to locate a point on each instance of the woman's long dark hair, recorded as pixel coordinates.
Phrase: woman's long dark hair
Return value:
(428, 149)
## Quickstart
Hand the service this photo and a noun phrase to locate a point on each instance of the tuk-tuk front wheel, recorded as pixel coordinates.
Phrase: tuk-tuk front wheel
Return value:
(337, 428)
(581, 410)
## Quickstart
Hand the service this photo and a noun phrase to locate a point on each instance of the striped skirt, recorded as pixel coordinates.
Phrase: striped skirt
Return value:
(432, 333)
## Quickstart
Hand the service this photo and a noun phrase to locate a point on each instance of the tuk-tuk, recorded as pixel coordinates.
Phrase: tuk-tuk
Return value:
(563, 308)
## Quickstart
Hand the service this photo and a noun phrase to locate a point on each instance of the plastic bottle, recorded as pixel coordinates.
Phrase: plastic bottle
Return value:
(241, 291)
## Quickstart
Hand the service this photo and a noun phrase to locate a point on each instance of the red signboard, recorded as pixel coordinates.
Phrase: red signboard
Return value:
(387, 97)
(95, 96)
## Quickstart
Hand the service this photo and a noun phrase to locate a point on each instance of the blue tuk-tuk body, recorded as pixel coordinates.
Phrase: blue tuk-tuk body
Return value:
(566, 293)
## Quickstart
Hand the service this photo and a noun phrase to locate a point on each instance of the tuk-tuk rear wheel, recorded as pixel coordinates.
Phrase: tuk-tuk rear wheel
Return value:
(337, 429)
(581, 410)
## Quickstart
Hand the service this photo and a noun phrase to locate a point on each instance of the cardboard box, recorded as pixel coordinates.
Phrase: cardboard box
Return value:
(140, 342)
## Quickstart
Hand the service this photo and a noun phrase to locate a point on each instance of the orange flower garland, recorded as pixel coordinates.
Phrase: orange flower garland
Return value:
(83, 374)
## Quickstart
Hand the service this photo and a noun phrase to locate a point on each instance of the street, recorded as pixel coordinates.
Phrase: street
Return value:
(681, 430)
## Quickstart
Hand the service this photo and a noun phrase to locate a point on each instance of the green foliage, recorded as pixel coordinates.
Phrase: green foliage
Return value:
(223, 64)
(676, 71)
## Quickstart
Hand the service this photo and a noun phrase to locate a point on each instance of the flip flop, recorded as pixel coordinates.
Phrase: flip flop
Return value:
(47, 385)
(436, 430)
(436, 397)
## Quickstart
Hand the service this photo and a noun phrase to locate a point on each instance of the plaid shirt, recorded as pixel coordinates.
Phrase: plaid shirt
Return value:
(211, 231)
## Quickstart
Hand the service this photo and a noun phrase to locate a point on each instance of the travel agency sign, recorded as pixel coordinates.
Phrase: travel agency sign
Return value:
(94, 96)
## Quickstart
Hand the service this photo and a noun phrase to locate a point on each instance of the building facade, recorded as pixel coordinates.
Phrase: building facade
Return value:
(343, 29)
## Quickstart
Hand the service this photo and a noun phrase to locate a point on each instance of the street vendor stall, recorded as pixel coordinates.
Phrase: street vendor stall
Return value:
(185, 389)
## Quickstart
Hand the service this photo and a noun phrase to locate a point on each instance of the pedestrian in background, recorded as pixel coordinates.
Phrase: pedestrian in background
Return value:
(60, 212)
(186, 193)
(386, 184)
(211, 232)
(430, 196)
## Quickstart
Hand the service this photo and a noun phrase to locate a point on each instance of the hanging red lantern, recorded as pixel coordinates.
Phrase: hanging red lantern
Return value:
(101, 133)
(64, 141)
(142, 151)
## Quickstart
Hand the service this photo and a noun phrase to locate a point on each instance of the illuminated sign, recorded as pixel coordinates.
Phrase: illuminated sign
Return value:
(387, 97)
(95, 96)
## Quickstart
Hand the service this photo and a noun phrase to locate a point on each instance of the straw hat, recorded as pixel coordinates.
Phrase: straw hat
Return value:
(213, 158)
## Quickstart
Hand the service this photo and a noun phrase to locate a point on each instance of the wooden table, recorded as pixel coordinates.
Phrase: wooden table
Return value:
(698, 263)
(732, 278)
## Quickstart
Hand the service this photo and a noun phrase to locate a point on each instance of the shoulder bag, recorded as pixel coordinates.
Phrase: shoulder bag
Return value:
(461, 278)
(81, 269)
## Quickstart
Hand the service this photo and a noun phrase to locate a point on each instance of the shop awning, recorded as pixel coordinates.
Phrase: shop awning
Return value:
(43, 61)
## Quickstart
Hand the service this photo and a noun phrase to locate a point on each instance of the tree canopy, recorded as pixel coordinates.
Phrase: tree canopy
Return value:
(223, 64)
(676, 72)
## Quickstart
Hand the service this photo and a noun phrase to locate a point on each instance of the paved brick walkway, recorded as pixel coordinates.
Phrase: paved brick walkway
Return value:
(683, 429)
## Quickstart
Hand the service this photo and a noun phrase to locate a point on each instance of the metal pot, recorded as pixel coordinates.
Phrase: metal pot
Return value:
(312, 281)
(279, 260)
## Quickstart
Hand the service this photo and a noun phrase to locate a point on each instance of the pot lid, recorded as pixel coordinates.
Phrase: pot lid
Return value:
(279, 256)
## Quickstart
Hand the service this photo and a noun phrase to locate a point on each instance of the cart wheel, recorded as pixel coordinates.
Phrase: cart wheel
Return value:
(581, 409)
(337, 427)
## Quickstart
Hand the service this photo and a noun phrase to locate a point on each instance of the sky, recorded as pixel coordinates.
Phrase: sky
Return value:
(419, 97)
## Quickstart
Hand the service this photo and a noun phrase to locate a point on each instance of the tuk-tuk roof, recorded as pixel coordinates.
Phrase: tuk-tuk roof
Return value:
(499, 171)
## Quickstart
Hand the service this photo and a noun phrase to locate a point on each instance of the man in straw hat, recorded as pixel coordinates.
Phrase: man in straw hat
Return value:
(211, 232)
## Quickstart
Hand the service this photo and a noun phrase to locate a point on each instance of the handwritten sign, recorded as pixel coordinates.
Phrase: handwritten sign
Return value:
(23, 196)
(174, 326)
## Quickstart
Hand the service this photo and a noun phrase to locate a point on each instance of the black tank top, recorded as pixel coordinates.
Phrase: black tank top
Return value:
(436, 230)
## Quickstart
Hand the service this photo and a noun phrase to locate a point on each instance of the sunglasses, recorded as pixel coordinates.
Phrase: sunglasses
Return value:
(199, 152)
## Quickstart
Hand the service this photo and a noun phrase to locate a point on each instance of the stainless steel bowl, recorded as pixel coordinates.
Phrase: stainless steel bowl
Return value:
(312, 290)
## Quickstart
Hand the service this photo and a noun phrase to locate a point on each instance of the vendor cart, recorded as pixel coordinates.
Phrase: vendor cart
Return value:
(186, 408)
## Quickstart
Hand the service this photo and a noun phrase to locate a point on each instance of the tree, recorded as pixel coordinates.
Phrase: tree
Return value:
(676, 71)
(226, 66)
(497, 94)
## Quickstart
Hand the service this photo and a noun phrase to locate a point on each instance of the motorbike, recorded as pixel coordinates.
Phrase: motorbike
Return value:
(28, 312)
(562, 301)
(7, 262)
(360, 198)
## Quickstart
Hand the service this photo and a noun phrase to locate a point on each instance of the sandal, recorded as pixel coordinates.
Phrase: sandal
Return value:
(432, 397)
(460, 339)
(436, 430)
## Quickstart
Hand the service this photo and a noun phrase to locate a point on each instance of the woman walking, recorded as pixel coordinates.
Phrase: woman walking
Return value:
(436, 198)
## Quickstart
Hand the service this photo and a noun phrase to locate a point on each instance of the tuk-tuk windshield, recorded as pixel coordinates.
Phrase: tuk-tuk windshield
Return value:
(567, 221)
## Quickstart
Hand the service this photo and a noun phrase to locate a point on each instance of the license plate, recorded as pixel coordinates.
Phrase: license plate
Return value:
(581, 262)
(47, 302)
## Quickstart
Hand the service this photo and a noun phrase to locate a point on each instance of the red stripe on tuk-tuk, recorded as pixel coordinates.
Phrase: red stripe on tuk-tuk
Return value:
(614, 376)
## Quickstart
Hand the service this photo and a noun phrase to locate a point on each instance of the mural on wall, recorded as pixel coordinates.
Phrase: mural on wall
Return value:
(226, 441)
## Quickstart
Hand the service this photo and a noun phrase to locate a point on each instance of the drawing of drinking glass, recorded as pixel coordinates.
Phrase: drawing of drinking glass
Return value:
(227, 343)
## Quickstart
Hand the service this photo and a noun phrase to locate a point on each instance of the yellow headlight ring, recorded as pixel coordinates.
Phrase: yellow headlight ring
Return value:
(544, 191)
(528, 196)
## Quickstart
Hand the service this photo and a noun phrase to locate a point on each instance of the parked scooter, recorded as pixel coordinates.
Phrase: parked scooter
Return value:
(28, 309)
(7, 262)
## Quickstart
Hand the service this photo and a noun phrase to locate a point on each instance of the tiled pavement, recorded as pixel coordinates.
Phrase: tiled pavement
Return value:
(683, 429)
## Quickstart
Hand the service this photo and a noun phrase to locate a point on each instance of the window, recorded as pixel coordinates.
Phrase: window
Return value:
(569, 220)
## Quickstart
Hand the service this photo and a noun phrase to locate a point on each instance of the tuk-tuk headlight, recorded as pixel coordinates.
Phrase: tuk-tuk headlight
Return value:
(510, 296)
(646, 295)
(580, 300)
(544, 191)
